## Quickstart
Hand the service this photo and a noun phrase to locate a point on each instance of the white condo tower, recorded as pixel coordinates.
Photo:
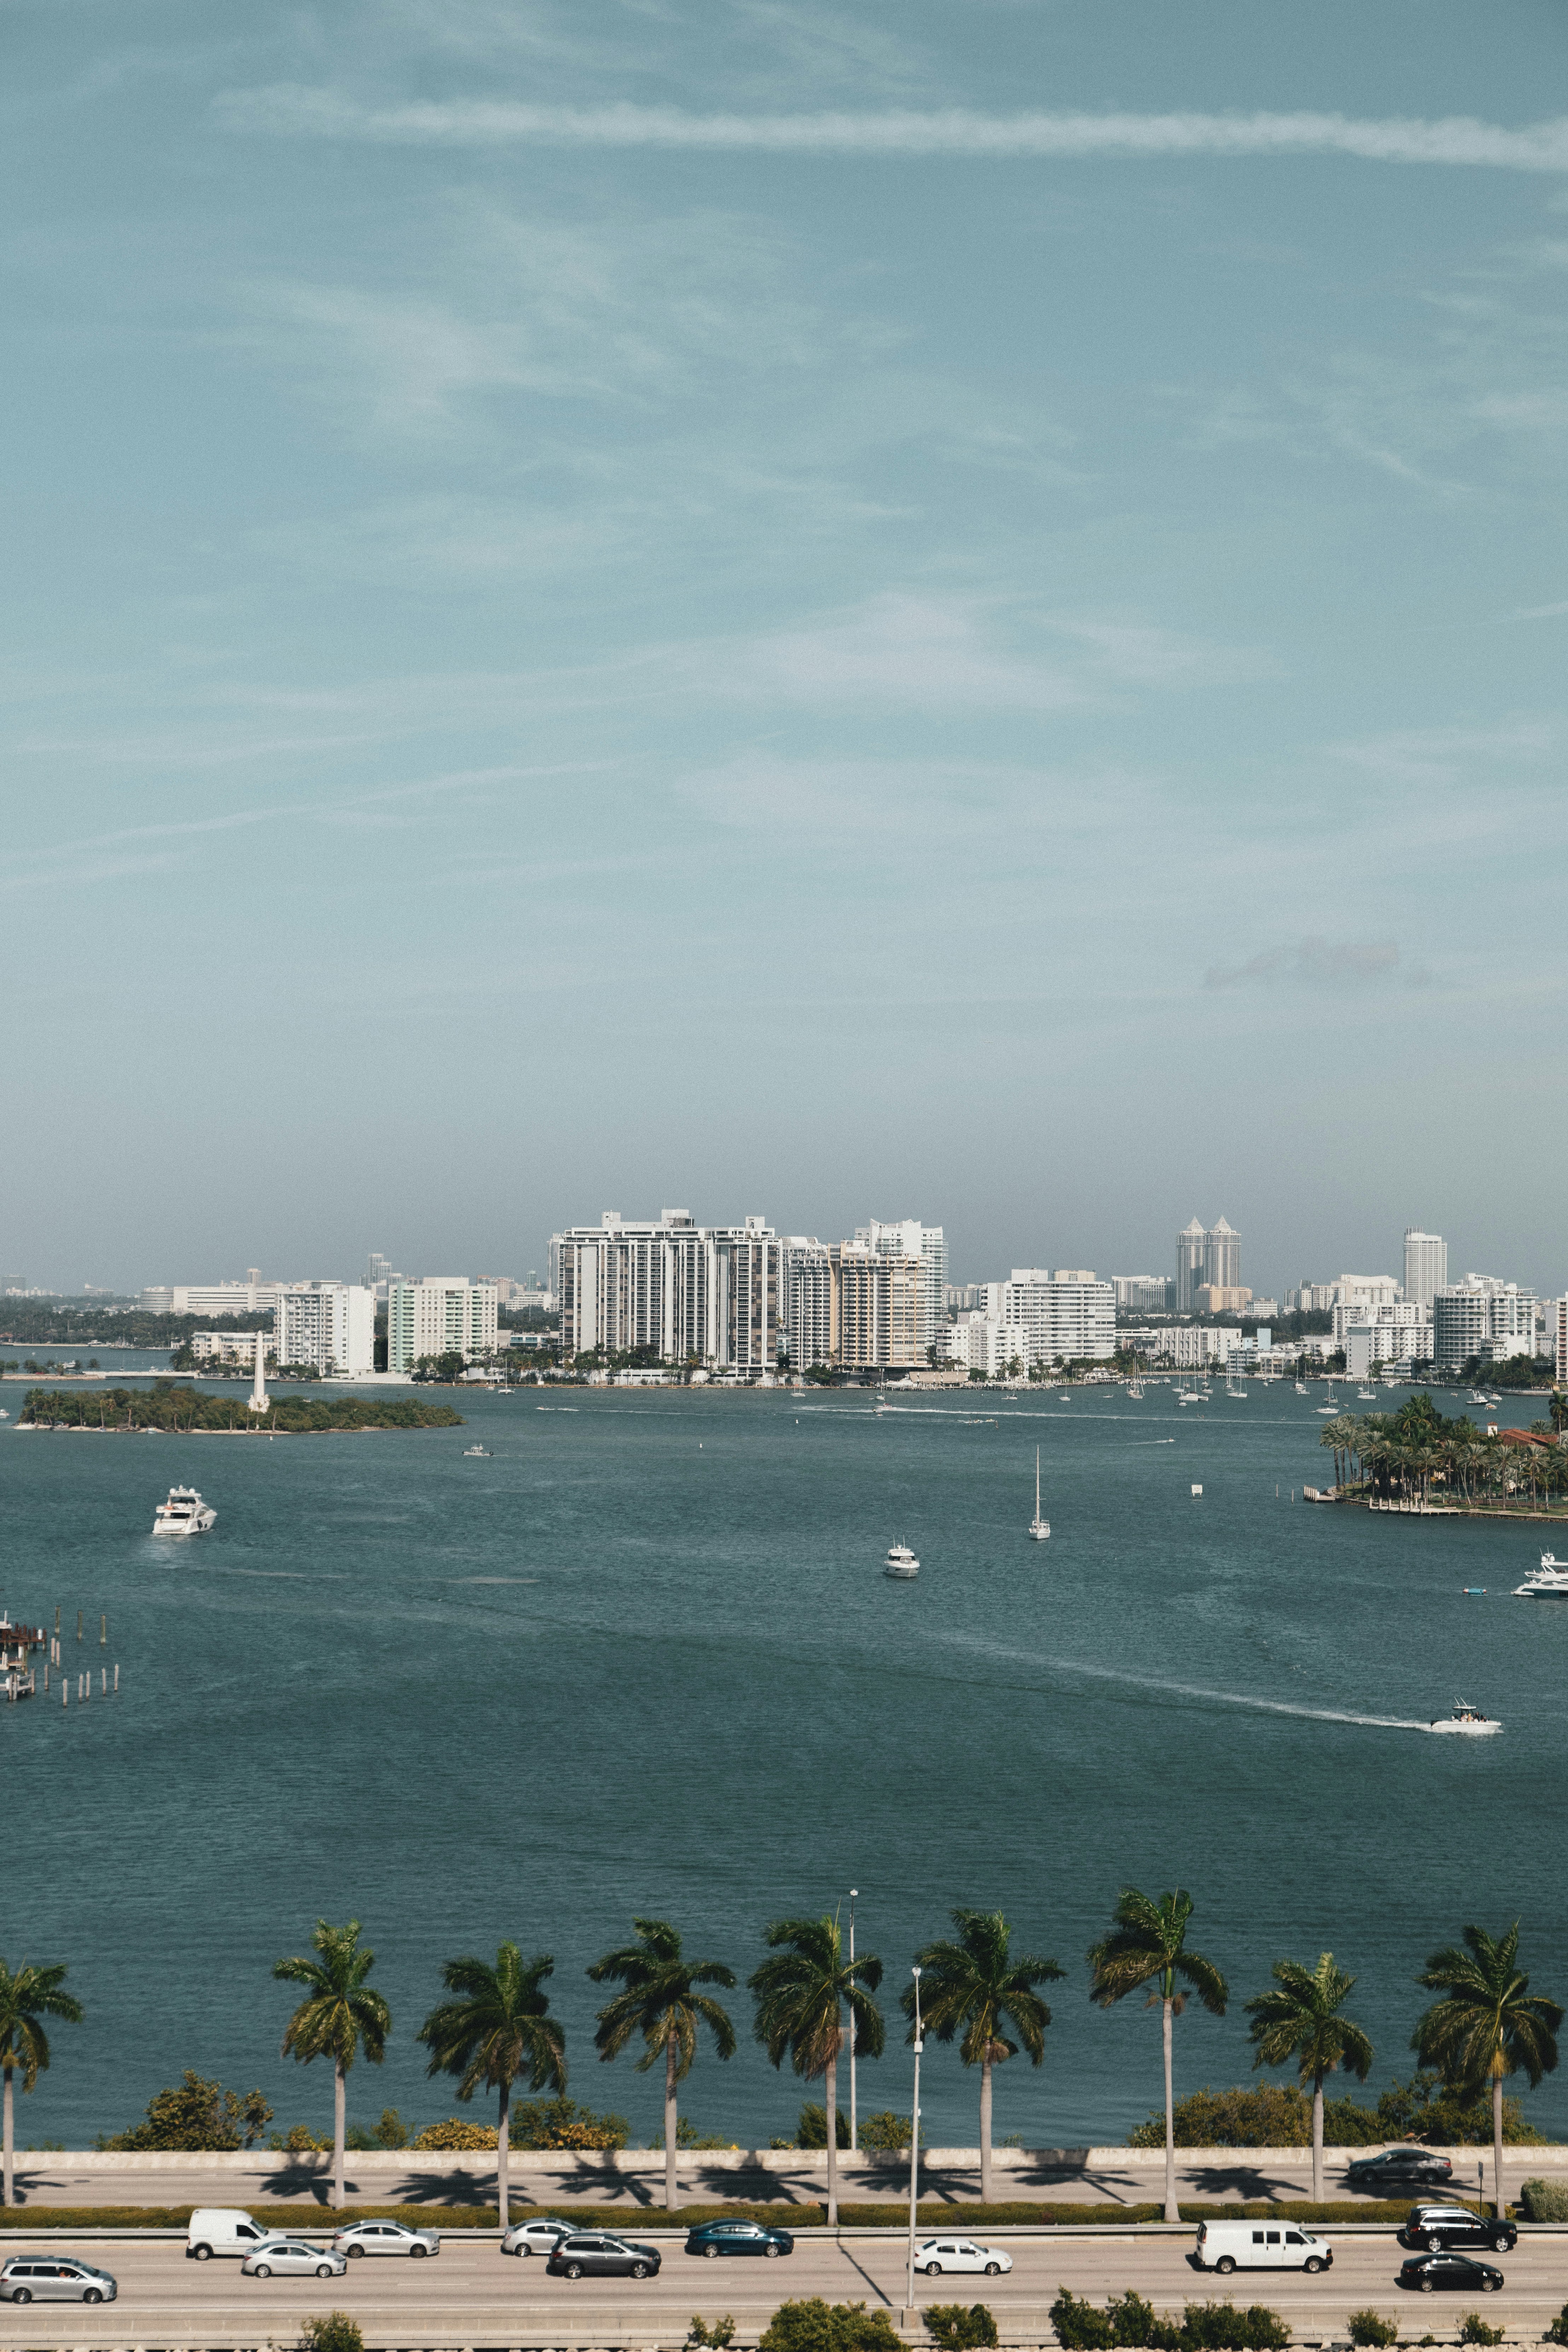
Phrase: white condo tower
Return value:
(259, 1401)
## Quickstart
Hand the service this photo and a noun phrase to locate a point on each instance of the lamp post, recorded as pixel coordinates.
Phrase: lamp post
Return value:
(911, 2314)
(854, 2130)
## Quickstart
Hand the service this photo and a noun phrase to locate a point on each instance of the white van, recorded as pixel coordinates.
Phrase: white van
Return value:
(223, 2230)
(1227, 2246)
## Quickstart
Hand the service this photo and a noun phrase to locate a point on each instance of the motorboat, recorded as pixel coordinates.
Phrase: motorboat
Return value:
(1470, 1720)
(1038, 1528)
(476, 1453)
(900, 1562)
(1300, 1388)
(184, 1514)
(1547, 1583)
(1367, 1396)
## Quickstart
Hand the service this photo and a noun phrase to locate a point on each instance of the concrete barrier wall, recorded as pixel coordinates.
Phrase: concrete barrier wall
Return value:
(1019, 2164)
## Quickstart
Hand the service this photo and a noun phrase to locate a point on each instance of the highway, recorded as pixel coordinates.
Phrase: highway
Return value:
(473, 2296)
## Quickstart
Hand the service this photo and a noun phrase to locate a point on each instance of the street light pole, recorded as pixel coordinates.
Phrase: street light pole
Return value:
(854, 2130)
(911, 2314)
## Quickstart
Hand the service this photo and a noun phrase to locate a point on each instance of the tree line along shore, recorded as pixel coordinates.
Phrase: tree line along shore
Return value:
(189, 1410)
(812, 2004)
(1423, 1458)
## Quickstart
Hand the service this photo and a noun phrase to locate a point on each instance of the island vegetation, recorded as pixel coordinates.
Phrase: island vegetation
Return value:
(168, 1407)
(1421, 1455)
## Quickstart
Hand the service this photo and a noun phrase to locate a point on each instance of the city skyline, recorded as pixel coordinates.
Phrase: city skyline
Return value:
(595, 573)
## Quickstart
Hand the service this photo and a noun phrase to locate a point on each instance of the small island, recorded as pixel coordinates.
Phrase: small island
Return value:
(188, 1411)
(1418, 1460)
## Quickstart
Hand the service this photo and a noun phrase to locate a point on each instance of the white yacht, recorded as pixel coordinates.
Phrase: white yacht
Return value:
(900, 1562)
(1300, 1388)
(184, 1514)
(1038, 1528)
(476, 1453)
(1548, 1582)
(1468, 1719)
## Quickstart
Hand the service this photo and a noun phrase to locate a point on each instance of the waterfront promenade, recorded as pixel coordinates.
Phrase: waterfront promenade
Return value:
(634, 2178)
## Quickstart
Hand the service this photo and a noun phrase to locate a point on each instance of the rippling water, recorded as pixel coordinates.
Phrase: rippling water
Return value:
(643, 1660)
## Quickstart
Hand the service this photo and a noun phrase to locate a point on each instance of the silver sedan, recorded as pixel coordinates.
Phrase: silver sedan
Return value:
(386, 2238)
(538, 2235)
(292, 2258)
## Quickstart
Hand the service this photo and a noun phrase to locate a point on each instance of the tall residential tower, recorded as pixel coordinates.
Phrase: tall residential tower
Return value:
(1426, 1266)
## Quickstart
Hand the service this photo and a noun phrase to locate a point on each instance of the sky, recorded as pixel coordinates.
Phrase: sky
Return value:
(952, 609)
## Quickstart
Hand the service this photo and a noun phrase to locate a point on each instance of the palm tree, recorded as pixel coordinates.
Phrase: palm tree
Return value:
(27, 1997)
(1147, 1943)
(336, 2017)
(977, 1983)
(494, 2031)
(801, 1998)
(661, 2003)
(1301, 2019)
(1486, 2024)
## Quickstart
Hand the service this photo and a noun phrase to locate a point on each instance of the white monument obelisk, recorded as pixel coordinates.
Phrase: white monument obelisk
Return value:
(259, 1399)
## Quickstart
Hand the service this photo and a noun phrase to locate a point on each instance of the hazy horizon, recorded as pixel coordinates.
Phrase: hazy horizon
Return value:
(953, 612)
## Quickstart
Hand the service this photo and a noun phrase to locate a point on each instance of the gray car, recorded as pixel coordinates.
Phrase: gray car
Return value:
(292, 2258)
(54, 2278)
(538, 2235)
(386, 2238)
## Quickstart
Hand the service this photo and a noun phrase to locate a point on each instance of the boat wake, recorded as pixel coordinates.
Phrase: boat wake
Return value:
(1245, 1699)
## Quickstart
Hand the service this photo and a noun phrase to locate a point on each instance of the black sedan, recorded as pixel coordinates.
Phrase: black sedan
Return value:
(1432, 2273)
(1439, 2226)
(586, 2254)
(1377, 2174)
(715, 2238)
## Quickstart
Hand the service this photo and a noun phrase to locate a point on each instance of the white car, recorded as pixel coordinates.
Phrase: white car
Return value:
(292, 2258)
(539, 2235)
(938, 2254)
(386, 2238)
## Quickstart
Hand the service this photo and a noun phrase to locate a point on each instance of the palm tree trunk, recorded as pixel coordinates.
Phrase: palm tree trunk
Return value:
(671, 2192)
(340, 2107)
(1170, 2212)
(9, 2136)
(1317, 2139)
(986, 2131)
(1497, 2142)
(503, 2154)
(830, 2094)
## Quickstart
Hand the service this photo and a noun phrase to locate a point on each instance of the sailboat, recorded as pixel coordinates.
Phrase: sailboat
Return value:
(1038, 1528)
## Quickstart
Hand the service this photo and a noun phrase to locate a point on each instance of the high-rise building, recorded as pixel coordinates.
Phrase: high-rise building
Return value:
(1426, 1266)
(1189, 1265)
(331, 1326)
(1484, 1318)
(1222, 1256)
(808, 1302)
(439, 1315)
(907, 1237)
(1070, 1313)
(1222, 1298)
(687, 1293)
(880, 1298)
(1142, 1294)
(1558, 1327)
(216, 1299)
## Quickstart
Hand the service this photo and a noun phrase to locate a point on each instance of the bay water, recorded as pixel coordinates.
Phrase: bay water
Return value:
(643, 1661)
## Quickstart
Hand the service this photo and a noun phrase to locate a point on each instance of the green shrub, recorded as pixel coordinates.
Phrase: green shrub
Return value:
(813, 2326)
(455, 2133)
(1080, 2326)
(1129, 2320)
(1558, 2331)
(886, 2132)
(688, 2136)
(336, 2333)
(1544, 2201)
(716, 2338)
(1477, 2331)
(958, 2328)
(1262, 2114)
(812, 2129)
(1220, 2327)
(196, 2114)
(1280, 2114)
(1369, 2327)
(562, 2123)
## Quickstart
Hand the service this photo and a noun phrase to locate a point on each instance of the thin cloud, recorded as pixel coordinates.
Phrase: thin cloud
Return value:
(1317, 963)
(293, 109)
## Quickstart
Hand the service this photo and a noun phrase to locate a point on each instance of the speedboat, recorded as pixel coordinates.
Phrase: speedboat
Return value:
(1468, 1719)
(1548, 1582)
(1300, 1388)
(1038, 1528)
(184, 1514)
(476, 1453)
(900, 1562)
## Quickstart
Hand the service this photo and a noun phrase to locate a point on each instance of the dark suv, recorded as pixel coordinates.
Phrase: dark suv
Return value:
(1435, 2227)
(1398, 2167)
(586, 2254)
